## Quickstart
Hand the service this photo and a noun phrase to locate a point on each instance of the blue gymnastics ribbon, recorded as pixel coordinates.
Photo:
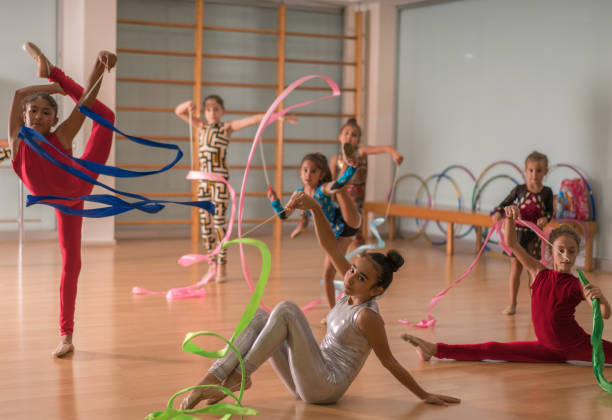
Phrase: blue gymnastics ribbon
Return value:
(115, 204)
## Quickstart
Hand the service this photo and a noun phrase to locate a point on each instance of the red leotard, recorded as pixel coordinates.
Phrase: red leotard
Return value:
(41, 177)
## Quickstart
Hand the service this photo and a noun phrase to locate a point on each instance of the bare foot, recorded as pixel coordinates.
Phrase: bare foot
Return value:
(510, 310)
(44, 66)
(221, 276)
(197, 395)
(64, 347)
(425, 349)
(233, 384)
(349, 154)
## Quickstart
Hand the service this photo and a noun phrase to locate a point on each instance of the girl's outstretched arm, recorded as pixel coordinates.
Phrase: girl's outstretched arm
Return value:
(236, 125)
(593, 292)
(398, 158)
(276, 204)
(16, 120)
(71, 126)
(183, 110)
(373, 328)
(532, 265)
(325, 235)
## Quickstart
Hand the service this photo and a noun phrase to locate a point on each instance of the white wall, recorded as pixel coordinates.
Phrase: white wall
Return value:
(84, 28)
(486, 80)
(217, 70)
(20, 22)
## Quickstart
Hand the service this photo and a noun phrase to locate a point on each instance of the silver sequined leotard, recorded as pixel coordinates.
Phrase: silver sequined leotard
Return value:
(316, 374)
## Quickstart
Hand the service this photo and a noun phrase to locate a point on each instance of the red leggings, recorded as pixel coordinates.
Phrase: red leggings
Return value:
(69, 227)
(519, 351)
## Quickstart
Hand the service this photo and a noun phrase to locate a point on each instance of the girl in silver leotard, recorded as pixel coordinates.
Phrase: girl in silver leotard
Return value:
(313, 373)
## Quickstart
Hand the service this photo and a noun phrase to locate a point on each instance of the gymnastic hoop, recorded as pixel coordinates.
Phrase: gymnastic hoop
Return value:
(491, 166)
(459, 204)
(417, 177)
(471, 175)
(476, 198)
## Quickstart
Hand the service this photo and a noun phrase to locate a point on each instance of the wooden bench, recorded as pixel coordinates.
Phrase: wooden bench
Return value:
(450, 216)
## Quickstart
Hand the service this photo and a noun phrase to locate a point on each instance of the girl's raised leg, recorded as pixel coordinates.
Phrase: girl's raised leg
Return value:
(349, 210)
(44, 66)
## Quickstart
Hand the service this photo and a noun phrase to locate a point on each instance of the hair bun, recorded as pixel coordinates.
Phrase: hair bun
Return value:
(394, 259)
(351, 121)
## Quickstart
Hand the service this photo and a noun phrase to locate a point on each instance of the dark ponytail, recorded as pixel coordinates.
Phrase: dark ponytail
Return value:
(387, 265)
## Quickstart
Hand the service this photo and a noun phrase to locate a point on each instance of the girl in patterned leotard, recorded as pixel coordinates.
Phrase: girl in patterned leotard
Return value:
(319, 374)
(344, 217)
(35, 108)
(554, 296)
(536, 204)
(213, 141)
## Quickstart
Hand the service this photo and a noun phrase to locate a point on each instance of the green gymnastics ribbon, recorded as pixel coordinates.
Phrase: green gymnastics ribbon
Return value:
(190, 347)
(599, 357)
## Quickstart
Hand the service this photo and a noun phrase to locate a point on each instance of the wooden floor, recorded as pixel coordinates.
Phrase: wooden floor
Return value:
(128, 360)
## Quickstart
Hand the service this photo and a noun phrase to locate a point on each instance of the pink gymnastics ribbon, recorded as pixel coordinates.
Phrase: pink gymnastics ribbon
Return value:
(268, 119)
(430, 322)
(196, 290)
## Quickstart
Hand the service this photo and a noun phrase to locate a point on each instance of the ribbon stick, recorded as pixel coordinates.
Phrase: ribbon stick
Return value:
(265, 167)
(599, 358)
(190, 347)
(191, 156)
(390, 195)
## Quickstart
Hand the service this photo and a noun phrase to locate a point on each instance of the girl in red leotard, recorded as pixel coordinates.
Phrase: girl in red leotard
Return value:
(34, 107)
(554, 296)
